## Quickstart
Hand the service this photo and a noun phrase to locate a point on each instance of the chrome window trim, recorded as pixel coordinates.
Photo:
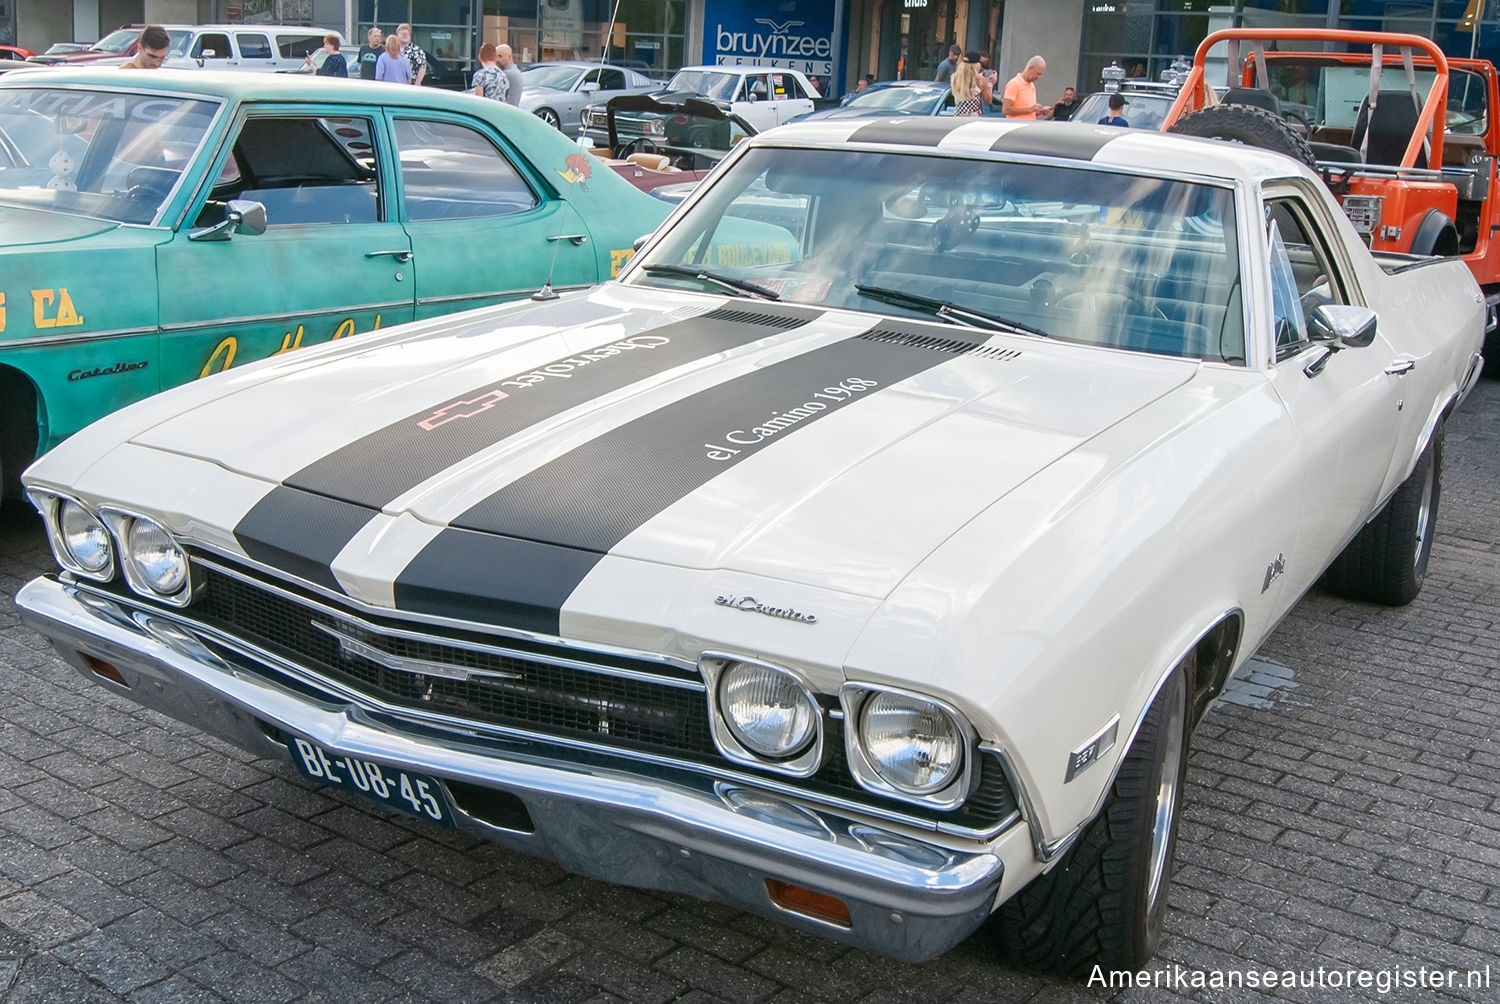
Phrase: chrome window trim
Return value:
(852, 697)
(804, 764)
(49, 503)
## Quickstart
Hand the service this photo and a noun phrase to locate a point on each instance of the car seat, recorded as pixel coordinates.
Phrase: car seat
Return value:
(1389, 129)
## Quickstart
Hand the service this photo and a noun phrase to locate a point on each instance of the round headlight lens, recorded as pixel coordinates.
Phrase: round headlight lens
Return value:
(84, 537)
(913, 744)
(158, 561)
(767, 709)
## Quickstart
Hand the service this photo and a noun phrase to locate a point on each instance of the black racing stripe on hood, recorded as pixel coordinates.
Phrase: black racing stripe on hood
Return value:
(589, 499)
(917, 130)
(300, 533)
(381, 466)
(1058, 139)
(302, 525)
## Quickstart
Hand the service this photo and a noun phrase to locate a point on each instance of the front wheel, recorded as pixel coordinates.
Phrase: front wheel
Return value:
(1105, 904)
(550, 117)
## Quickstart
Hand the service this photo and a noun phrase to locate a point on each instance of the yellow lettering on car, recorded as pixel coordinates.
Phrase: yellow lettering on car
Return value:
(290, 342)
(345, 329)
(226, 349)
(617, 259)
(2, 311)
(66, 316)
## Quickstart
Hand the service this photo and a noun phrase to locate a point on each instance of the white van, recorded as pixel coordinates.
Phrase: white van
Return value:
(265, 47)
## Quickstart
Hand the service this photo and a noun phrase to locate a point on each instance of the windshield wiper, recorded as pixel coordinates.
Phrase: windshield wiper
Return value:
(727, 281)
(948, 310)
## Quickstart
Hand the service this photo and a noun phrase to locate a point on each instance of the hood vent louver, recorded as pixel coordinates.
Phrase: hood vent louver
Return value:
(755, 317)
(949, 345)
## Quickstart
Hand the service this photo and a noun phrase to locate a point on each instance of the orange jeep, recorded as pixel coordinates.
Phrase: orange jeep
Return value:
(1364, 119)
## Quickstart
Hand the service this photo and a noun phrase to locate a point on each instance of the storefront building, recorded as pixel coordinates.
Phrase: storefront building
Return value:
(837, 40)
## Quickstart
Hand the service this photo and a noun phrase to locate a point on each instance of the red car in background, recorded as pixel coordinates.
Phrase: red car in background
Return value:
(120, 42)
(15, 52)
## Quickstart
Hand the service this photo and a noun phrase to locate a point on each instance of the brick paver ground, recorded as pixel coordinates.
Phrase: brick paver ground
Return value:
(1343, 811)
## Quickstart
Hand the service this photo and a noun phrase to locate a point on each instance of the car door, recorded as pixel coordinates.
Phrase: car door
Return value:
(789, 97)
(753, 101)
(485, 224)
(255, 52)
(1345, 405)
(333, 260)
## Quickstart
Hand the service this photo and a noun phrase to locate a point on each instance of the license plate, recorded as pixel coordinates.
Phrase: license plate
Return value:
(414, 794)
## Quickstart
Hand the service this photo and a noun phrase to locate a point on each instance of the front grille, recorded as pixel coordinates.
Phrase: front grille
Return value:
(608, 700)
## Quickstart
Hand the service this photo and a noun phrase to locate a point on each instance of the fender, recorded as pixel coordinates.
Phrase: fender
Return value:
(1436, 235)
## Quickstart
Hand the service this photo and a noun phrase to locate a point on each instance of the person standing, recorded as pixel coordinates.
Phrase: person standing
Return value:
(414, 54)
(370, 53)
(1064, 109)
(947, 66)
(1019, 101)
(512, 74)
(392, 66)
(1117, 105)
(334, 64)
(972, 90)
(151, 49)
(489, 80)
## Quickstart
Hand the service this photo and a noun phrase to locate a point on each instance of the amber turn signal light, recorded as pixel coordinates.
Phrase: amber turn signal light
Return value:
(795, 899)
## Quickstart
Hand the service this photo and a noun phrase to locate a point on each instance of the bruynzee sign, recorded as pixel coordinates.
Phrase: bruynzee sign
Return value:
(792, 34)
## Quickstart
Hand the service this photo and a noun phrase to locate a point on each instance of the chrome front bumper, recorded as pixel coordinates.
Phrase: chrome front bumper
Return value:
(674, 830)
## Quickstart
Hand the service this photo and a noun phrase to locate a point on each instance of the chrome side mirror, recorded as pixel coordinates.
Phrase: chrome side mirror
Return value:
(241, 216)
(640, 242)
(1342, 327)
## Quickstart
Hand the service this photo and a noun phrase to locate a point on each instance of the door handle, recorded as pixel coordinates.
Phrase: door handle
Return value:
(400, 254)
(1401, 366)
(574, 239)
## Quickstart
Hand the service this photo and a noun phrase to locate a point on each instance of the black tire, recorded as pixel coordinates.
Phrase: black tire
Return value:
(1105, 903)
(1388, 560)
(1248, 125)
(550, 117)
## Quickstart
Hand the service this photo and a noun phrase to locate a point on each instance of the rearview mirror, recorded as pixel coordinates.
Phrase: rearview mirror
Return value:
(1342, 327)
(241, 216)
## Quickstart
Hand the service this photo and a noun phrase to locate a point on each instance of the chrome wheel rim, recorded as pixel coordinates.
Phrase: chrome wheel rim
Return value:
(1424, 516)
(549, 117)
(1166, 801)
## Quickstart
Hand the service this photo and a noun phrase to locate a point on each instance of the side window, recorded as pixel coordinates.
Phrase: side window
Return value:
(297, 46)
(611, 80)
(792, 88)
(756, 86)
(253, 46)
(1302, 276)
(450, 172)
(304, 170)
(213, 43)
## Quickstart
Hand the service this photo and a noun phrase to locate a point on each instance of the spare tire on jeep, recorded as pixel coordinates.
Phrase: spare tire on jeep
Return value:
(1249, 125)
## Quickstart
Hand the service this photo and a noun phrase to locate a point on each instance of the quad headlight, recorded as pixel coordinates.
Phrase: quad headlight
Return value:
(80, 542)
(765, 715)
(907, 745)
(154, 557)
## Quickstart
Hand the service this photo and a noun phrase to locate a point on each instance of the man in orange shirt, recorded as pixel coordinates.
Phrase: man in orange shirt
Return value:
(1020, 92)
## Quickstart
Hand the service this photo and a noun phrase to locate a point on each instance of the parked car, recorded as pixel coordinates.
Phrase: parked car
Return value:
(557, 93)
(760, 95)
(15, 52)
(6, 65)
(1407, 144)
(678, 139)
(134, 258)
(1147, 104)
(868, 571)
(118, 45)
(894, 97)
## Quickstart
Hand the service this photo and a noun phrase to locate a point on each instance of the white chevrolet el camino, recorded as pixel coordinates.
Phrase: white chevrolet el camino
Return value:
(863, 556)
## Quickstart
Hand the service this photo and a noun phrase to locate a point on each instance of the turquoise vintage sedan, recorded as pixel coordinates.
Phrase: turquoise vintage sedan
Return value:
(159, 227)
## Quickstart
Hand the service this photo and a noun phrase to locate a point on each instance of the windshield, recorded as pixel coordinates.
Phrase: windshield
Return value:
(712, 83)
(1142, 111)
(1329, 96)
(1082, 254)
(96, 153)
(899, 99)
(558, 78)
(117, 41)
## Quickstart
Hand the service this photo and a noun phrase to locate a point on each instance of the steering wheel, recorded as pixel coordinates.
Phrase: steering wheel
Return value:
(639, 145)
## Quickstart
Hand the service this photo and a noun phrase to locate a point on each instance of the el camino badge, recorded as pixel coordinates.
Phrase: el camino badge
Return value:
(753, 605)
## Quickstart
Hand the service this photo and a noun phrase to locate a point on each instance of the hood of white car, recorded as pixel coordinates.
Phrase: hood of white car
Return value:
(831, 448)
